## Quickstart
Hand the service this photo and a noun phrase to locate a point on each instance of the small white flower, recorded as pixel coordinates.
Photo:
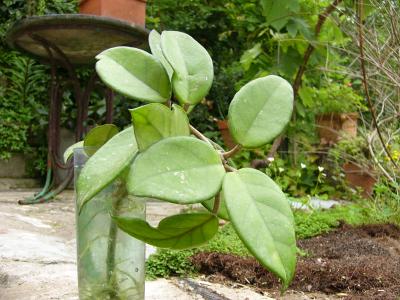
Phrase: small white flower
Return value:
(270, 159)
(320, 168)
(303, 166)
(323, 174)
(281, 169)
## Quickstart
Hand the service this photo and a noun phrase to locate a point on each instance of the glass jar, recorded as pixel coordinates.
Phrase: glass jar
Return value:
(110, 262)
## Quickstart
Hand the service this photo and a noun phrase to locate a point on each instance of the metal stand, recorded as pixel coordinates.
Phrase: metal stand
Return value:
(82, 96)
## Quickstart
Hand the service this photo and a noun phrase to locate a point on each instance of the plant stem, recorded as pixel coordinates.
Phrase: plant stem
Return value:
(112, 239)
(232, 152)
(300, 72)
(110, 263)
(229, 168)
(224, 155)
(217, 203)
(199, 135)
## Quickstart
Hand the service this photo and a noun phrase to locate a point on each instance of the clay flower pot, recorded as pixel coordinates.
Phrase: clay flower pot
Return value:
(360, 177)
(226, 135)
(331, 125)
(133, 11)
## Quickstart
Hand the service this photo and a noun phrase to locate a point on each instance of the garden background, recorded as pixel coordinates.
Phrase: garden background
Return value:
(312, 44)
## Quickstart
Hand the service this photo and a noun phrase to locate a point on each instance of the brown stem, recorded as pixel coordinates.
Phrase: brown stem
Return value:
(306, 57)
(217, 203)
(199, 135)
(232, 152)
(229, 168)
(371, 108)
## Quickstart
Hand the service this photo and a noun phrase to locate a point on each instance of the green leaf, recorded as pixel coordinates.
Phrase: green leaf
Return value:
(153, 122)
(105, 165)
(250, 55)
(177, 169)
(261, 215)
(292, 28)
(192, 65)
(175, 232)
(134, 73)
(222, 212)
(70, 150)
(278, 13)
(155, 47)
(260, 111)
(98, 136)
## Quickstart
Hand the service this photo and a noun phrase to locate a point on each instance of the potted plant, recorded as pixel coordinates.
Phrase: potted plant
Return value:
(133, 11)
(162, 156)
(352, 156)
(336, 106)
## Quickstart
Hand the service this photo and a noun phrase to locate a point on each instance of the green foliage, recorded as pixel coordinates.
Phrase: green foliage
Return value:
(332, 98)
(182, 169)
(193, 74)
(247, 122)
(109, 161)
(187, 171)
(166, 263)
(308, 177)
(155, 121)
(98, 136)
(24, 87)
(302, 179)
(134, 73)
(251, 198)
(24, 83)
(350, 149)
(316, 222)
(179, 231)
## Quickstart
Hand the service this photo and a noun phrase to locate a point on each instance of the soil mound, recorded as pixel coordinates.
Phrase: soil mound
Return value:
(362, 262)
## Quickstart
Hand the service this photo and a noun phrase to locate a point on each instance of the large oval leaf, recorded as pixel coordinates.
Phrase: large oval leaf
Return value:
(174, 232)
(134, 73)
(261, 215)
(177, 169)
(260, 111)
(192, 65)
(98, 136)
(155, 47)
(105, 165)
(155, 121)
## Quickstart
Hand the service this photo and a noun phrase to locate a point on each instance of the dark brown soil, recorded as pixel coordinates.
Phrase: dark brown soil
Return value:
(360, 262)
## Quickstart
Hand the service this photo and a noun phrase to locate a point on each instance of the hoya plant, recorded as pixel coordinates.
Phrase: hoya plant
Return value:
(163, 156)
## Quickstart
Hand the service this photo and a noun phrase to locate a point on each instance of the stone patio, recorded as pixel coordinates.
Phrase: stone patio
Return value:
(38, 261)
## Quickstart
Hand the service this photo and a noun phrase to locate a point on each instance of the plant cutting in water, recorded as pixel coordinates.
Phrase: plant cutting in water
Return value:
(162, 156)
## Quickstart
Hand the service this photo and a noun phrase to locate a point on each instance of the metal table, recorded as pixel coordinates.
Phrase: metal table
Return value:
(64, 42)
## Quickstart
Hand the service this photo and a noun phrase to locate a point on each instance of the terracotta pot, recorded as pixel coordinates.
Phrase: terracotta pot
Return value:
(226, 135)
(133, 11)
(360, 177)
(332, 125)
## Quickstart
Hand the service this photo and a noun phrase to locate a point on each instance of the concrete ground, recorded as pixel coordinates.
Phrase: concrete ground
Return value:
(38, 261)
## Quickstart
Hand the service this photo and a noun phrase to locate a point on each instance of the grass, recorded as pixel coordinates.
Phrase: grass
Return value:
(165, 263)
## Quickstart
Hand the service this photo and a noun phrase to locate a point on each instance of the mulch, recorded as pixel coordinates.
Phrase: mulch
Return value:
(359, 262)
